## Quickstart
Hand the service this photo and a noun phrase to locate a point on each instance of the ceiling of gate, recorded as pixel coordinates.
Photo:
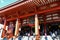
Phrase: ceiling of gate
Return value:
(30, 6)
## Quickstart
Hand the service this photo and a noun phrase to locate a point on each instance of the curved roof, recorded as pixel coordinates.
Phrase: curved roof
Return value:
(6, 3)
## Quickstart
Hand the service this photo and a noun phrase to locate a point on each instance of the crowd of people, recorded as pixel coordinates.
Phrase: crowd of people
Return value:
(27, 32)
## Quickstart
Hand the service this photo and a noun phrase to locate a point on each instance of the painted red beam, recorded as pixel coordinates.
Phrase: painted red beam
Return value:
(40, 12)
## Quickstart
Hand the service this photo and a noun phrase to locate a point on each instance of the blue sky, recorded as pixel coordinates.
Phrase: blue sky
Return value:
(4, 3)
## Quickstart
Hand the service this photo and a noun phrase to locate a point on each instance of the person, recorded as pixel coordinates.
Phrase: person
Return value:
(28, 36)
(46, 37)
(20, 37)
(10, 31)
(56, 33)
(1, 28)
(11, 27)
(53, 36)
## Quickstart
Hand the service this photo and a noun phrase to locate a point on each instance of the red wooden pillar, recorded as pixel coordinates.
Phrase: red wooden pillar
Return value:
(45, 25)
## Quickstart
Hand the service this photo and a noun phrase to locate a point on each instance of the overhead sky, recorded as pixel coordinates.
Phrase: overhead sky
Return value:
(4, 3)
